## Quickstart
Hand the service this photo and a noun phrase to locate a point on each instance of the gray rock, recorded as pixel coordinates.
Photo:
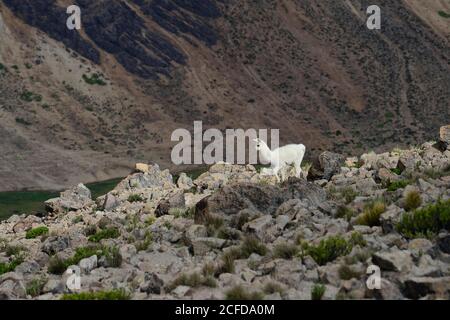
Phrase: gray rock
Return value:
(73, 199)
(152, 283)
(204, 245)
(12, 286)
(393, 260)
(28, 267)
(330, 163)
(88, 264)
(55, 244)
(418, 287)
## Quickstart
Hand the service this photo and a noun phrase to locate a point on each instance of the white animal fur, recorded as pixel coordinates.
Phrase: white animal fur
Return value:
(281, 157)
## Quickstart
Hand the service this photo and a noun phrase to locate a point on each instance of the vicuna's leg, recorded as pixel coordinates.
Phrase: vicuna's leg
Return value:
(275, 172)
(298, 169)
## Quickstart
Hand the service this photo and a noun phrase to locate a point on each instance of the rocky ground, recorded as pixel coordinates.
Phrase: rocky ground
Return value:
(234, 232)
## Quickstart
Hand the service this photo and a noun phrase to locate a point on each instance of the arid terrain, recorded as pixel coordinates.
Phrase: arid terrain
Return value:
(83, 106)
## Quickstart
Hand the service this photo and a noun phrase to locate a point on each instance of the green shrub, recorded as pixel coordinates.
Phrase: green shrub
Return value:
(371, 213)
(36, 232)
(13, 250)
(327, 250)
(317, 292)
(239, 293)
(273, 287)
(94, 79)
(252, 245)
(444, 14)
(110, 233)
(113, 257)
(413, 200)
(29, 96)
(395, 185)
(10, 266)
(397, 171)
(344, 212)
(23, 121)
(56, 265)
(347, 273)
(135, 198)
(193, 280)
(357, 238)
(34, 288)
(285, 251)
(427, 221)
(348, 194)
(98, 295)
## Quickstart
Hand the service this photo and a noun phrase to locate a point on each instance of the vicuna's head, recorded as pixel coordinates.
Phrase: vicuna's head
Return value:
(259, 144)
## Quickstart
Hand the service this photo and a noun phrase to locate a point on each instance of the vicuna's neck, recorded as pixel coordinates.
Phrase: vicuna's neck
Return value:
(266, 153)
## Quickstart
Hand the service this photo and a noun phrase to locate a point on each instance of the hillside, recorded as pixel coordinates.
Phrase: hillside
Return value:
(86, 106)
(236, 233)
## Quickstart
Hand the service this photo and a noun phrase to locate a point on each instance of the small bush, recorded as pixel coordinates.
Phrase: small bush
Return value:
(10, 266)
(135, 198)
(327, 250)
(56, 265)
(113, 257)
(357, 238)
(252, 245)
(285, 251)
(193, 280)
(413, 200)
(347, 273)
(317, 292)
(94, 79)
(23, 121)
(397, 171)
(395, 185)
(426, 222)
(444, 14)
(273, 287)
(348, 194)
(12, 250)
(144, 244)
(239, 293)
(371, 213)
(344, 212)
(36, 232)
(34, 288)
(227, 263)
(29, 96)
(99, 295)
(110, 233)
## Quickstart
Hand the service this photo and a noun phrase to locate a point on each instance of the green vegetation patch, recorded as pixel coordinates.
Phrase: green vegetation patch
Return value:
(116, 294)
(444, 14)
(240, 293)
(317, 292)
(328, 249)
(395, 185)
(110, 233)
(36, 232)
(29, 96)
(371, 213)
(94, 79)
(427, 221)
(10, 266)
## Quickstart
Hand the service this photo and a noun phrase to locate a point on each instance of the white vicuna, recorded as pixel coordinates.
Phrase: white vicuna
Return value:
(291, 154)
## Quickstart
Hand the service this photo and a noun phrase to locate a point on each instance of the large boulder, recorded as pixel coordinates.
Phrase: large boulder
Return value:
(73, 199)
(152, 177)
(330, 163)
